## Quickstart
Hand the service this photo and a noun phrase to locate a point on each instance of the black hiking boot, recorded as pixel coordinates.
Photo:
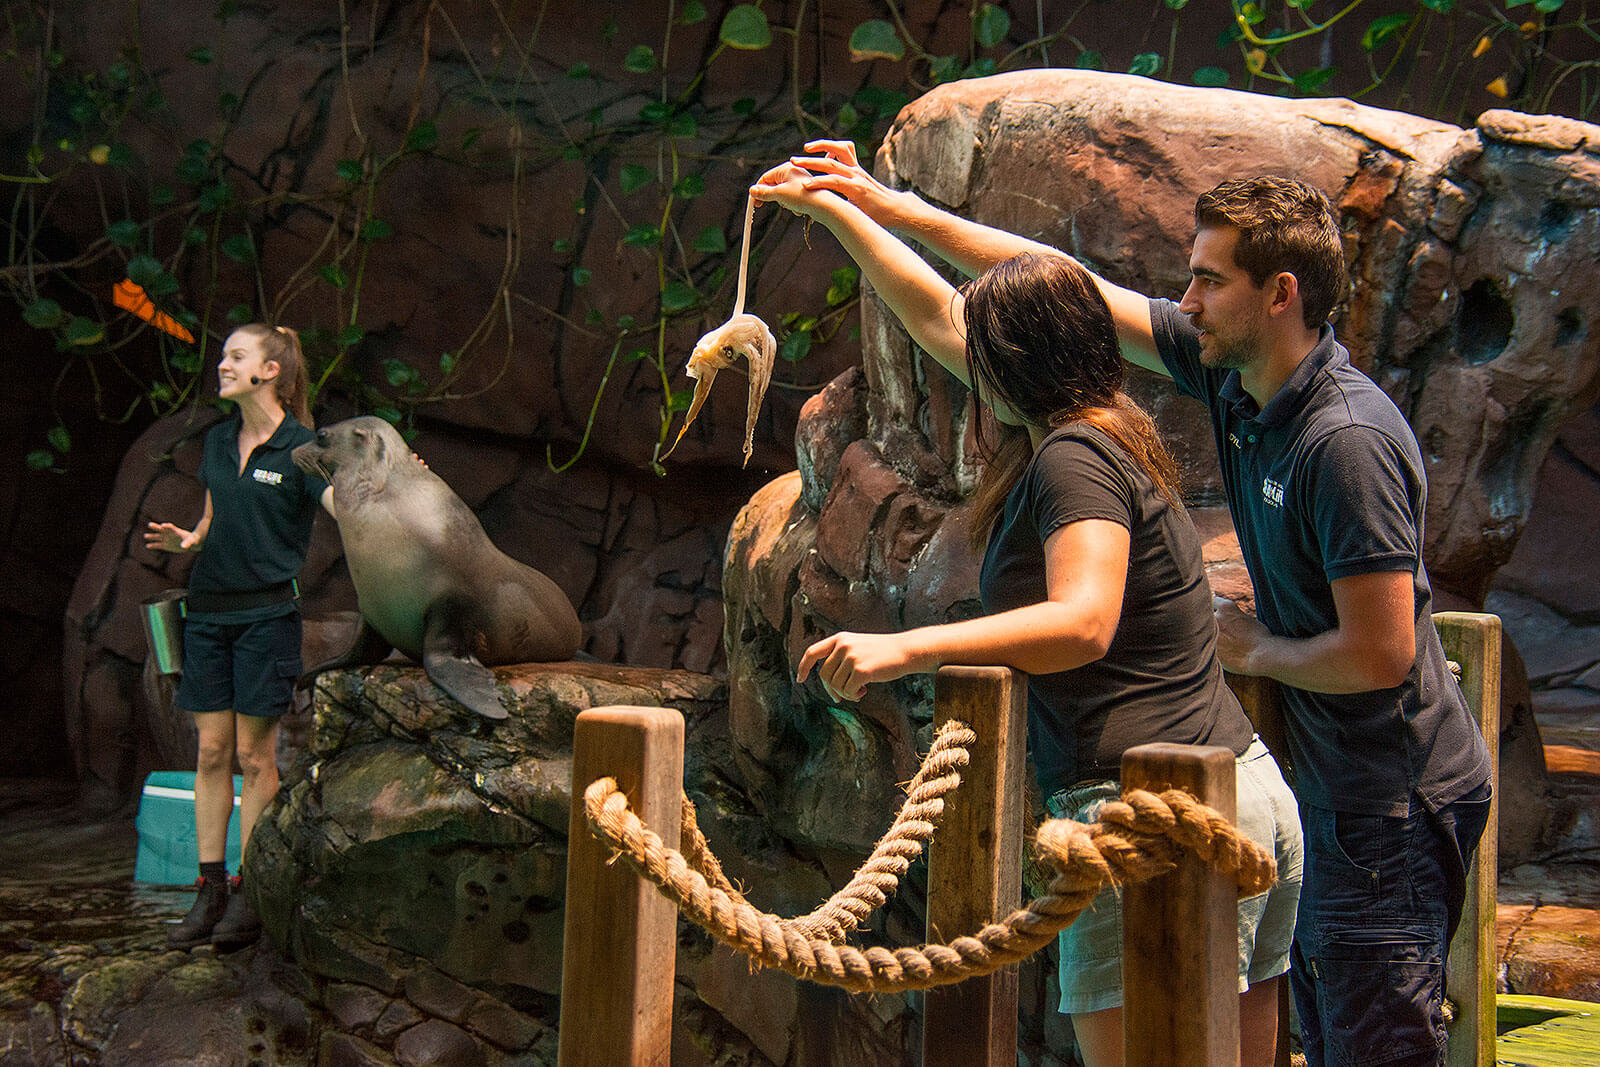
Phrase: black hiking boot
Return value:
(239, 925)
(210, 902)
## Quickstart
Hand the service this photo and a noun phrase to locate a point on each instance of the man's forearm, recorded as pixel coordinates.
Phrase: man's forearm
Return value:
(1327, 663)
(970, 247)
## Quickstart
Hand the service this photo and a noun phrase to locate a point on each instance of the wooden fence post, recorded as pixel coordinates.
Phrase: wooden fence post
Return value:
(1180, 935)
(975, 865)
(620, 939)
(1472, 640)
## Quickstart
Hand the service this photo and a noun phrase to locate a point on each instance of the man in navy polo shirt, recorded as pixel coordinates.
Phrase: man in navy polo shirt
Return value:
(1326, 487)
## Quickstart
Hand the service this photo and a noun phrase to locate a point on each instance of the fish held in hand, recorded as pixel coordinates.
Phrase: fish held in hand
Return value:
(743, 335)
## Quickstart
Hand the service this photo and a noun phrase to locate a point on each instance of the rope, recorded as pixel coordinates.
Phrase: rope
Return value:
(880, 875)
(1137, 838)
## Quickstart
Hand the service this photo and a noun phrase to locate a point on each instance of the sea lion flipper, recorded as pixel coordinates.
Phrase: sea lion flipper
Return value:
(464, 678)
(368, 647)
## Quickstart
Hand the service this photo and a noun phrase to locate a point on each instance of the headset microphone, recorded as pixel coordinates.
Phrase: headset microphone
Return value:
(257, 381)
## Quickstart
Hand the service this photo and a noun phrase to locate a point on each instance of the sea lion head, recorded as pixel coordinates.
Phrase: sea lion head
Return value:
(361, 449)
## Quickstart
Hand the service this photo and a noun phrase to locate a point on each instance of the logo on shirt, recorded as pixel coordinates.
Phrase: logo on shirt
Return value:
(1272, 492)
(1233, 439)
(266, 477)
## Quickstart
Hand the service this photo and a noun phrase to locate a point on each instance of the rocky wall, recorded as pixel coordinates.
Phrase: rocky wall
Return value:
(1472, 303)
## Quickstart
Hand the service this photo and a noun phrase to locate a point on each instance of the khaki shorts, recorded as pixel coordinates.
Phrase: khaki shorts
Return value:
(1091, 948)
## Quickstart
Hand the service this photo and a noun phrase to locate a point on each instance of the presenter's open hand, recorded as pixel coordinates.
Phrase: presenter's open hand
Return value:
(165, 537)
(832, 166)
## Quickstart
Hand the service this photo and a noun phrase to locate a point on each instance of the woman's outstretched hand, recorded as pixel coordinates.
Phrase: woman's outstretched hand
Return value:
(165, 537)
(848, 662)
(832, 167)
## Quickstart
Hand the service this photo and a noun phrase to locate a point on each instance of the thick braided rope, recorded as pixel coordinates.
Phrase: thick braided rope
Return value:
(1139, 841)
(880, 875)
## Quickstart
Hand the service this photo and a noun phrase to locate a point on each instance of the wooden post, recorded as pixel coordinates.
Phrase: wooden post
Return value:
(1180, 935)
(620, 941)
(975, 865)
(1473, 641)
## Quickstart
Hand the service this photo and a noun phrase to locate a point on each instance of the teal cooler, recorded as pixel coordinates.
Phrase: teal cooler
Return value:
(167, 851)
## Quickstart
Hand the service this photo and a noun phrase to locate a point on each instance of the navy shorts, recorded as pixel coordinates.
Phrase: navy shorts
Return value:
(250, 667)
(1381, 899)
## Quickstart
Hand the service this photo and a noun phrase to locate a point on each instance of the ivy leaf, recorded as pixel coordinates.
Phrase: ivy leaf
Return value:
(581, 276)
(351, 335)
(875, 39)
(693, 11)
(679, 400)
(991, 26)
(711, 240)
(348, 170)
(677, 297)
(637, 354)
(390, 415)
(124, 233)
(1443, 7)
(215, 196)
(447, 362)
(83, 332)
(423, 136)
(1089, 59)
(682, 125)
(40, 460)
(239, 248)
(842, 285)
(162, 194)
(1211, 77)
(943, 69)
(144, 270)
(979, 68)
(164, 284)
(689, 187)
(1309, 81)
(59, 438)
(397, 373)
(240, 314)
(561, 246)
(578, 70)
(199, 54)
(376, 230)
(330, 273)
(795, 346)
(1178, 5)
(641, 60)
(195, 235)
(641, 235)
(1547, 6)
(634, 177)
(745, 27)
(1146, 64)
(43, 314)
(1381, 29)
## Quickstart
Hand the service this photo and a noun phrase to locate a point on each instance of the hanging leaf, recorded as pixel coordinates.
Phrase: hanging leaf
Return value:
(423, 136)
(1211, 77)
(642, 235)
(991, 26)
(1089, 59)
(634, 177)
(682, 125)
(196, 235)
(678, 297)
(124, 233)
(693, 11)
(1443, 7)
(640, 60)
(240, 314)
(59, 438)
(239, 248)
(581, 276)
(330, 273)
(943, 69)
(689, 186)
(1381, 29)
(578, 70)
(83, 332)
(43, 314)
(397, 373)
(745, 27)
(1145, 64)
(144, 269)
(711, 240)
(979, 68)
(348, 170)
(1309, 81)
(40, 460)
(376, 230)
(875, 39)
(351, 335)
(842, 285)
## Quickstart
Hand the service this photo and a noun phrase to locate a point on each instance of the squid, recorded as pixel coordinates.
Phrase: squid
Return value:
(742, 335)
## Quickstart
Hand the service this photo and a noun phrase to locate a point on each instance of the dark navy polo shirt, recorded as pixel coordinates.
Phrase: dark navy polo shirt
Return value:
(1323, 483)
(260, 518)
(1159, 680)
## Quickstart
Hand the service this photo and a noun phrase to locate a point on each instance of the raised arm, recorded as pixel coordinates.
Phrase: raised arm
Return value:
(970, 247)
(928, 306)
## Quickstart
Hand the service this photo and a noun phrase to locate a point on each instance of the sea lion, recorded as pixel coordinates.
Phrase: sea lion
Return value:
(428, 580)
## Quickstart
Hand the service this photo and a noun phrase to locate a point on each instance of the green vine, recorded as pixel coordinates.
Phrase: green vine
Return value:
(191, 227)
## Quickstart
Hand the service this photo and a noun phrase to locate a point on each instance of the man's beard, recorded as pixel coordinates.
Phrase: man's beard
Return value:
(1231, 353)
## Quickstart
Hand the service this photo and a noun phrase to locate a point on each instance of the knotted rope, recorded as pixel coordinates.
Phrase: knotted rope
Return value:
(1137, 838)
(880, 875)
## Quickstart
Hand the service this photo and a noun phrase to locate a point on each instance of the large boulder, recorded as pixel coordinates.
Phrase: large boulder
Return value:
(1472, 303)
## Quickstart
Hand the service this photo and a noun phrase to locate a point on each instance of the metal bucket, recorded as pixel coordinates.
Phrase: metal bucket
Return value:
(163, 630)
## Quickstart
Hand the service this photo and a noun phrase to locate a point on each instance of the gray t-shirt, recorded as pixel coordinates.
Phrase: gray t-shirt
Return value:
(1159, 680)
(1323, 483)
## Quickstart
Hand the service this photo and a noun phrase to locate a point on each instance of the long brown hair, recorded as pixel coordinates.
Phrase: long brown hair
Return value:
(281, 345)
(1041, 339)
